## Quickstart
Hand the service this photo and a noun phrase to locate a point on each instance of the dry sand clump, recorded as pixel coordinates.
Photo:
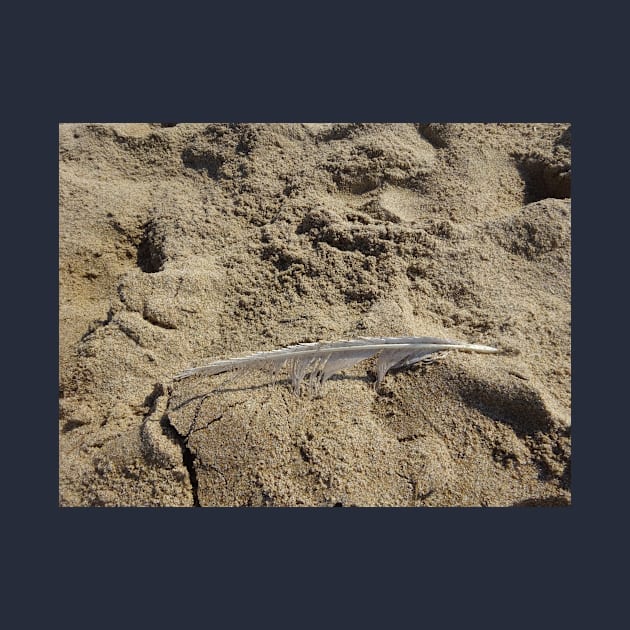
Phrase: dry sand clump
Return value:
(181, 243)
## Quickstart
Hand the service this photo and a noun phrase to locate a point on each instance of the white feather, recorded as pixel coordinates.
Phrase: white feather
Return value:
(323, 359)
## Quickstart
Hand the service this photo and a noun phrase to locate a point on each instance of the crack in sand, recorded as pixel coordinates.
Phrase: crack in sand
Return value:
(188, 459)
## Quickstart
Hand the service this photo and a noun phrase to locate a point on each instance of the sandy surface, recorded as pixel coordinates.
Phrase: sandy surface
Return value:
(188, 242)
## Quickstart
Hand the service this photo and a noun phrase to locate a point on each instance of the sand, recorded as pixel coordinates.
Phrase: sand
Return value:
(182, 243)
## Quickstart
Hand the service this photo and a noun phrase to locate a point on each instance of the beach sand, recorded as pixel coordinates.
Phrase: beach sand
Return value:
(183, 243)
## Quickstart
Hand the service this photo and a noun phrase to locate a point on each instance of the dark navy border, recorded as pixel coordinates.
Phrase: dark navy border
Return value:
(514, 566)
